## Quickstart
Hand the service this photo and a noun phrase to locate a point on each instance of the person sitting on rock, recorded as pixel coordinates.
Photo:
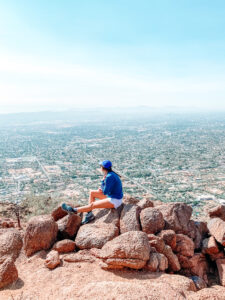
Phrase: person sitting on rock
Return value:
(110, 193)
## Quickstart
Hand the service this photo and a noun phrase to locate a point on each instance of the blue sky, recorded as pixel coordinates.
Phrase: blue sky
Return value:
(65, 54)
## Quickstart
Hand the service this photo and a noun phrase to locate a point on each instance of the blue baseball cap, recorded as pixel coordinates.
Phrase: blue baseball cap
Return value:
(106, 164)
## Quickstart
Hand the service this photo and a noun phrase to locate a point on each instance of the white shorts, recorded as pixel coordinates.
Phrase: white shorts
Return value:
(116, 202)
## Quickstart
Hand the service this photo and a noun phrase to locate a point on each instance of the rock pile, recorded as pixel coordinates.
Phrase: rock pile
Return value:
(139, 235)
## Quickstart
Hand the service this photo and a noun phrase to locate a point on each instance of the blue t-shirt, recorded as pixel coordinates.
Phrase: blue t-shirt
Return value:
(112, 186)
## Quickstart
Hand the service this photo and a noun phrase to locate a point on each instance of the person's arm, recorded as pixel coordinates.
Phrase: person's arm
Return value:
(109, 182)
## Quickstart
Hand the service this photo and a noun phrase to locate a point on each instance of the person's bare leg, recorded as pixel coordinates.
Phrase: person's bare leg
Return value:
(105, 203)
(96, 194)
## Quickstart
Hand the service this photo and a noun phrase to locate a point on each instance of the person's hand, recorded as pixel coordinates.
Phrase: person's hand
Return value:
(100, 190)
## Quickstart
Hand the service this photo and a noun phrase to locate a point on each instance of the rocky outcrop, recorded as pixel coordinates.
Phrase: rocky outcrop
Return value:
(95, 235)
(157, 262)
(64, 246)
(68, 226)
(158, 243)
(52, 260)
(10, 246)
(107, 216)
(163, 287)
(129, 218)
(10, 243)
(40, 233)
(176, 216)
(184, 245)
(151, 220)
(221, 269)
(8, 272)
(146, 202)
(218, 212)
(210, 246)
(169, 237)
(130, 249)
(217, 229)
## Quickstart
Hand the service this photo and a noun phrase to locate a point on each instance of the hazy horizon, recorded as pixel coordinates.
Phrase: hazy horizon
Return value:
(63, 55)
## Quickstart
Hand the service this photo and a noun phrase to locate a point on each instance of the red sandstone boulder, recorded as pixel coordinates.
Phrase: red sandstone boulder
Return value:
(221, 269)
(199, 266)
(64, 246)
(95, 235)
(157, 262)
(68, 226)
(130, 249)
(146, 202)
(129, 218)
(107, 216)
(218, 255)
(8, 272)
(169, 237)
(10, 243)
(59, 213)
(151, 220)
(184, 246)
(158, 243)
(217, 229)
(176, 216)
(210, 246)
(173, 261)
(52, 260)
(218, 212)
(40, 234)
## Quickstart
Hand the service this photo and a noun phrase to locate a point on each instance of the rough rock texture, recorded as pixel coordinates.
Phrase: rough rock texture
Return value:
(184, 246)
(173, 261)
(107, 216)
(68, 226)
(210, 246)
(81, 256)
(52, 260)
(40, 234)
(130, 249)
(95, 235)
(157, 262)
(146, 202)
(199, 266)
(151, 220)
(8, 272)
(10, 243)
(221, 269)
(214, 293)
(201, 232)
(218, 212)
(129, 218)
(217, 229)
(164, 287)
(59, 213)
(169, 238)
(158, 243)
(64, 246)
(176, 216)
